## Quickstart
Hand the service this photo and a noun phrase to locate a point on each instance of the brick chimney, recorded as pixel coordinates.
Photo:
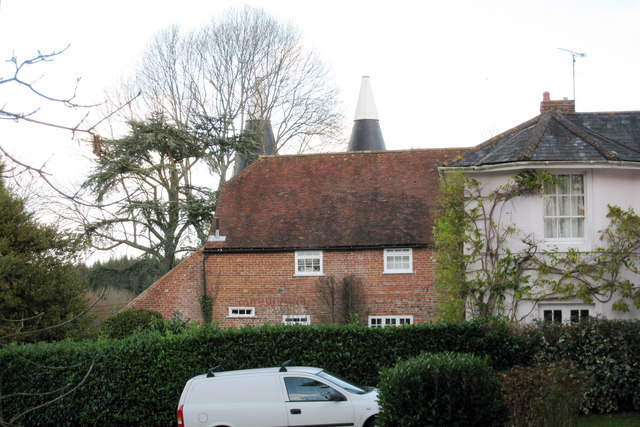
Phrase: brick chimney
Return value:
(563, 106)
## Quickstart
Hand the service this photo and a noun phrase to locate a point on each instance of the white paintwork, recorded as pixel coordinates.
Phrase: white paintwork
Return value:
(258, 397)
(605, 184)
(366, 108)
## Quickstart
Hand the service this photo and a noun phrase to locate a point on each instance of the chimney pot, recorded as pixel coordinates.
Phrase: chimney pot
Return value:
(546, 96)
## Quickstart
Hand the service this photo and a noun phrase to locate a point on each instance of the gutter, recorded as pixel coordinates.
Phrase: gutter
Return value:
(209, 251)
(587, 164)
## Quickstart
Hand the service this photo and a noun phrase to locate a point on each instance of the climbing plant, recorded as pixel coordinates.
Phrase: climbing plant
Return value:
(476, 270)
(486, 265)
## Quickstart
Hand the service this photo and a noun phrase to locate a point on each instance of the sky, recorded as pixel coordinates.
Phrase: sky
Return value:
(444, 74)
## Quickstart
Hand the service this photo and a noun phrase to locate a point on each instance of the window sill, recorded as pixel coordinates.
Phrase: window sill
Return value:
(566, 245)
(308, 274)
(398, 272)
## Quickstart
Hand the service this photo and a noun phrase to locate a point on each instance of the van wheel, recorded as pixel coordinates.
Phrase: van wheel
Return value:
(370, 422)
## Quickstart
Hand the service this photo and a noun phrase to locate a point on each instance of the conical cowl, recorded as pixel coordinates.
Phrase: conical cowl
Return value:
(366, 134)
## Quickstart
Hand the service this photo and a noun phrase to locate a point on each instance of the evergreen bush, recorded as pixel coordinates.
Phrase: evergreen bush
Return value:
(608, 351)
(129, 322)
(549, 394)
(441, 389)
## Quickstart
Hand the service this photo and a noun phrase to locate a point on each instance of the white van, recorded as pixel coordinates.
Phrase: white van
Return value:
(285, 396)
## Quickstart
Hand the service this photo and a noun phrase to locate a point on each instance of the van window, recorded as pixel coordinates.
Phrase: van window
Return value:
(302, 389)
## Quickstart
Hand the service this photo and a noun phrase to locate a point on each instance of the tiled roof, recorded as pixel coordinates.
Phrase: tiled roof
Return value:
(562, 137)
(340, 200)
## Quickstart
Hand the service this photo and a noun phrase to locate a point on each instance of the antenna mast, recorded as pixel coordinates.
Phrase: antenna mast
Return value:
(574, 55)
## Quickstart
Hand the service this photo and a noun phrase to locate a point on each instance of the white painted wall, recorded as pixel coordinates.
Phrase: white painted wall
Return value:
(611, 184)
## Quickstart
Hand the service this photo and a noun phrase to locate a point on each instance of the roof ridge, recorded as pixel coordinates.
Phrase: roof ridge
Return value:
(591, 137)
(538, 132)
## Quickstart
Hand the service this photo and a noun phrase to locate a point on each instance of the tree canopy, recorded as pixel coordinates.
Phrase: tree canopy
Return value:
(39, 287)
(143, 186)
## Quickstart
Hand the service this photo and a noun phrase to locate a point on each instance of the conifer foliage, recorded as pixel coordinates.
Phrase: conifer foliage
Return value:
(39, 287)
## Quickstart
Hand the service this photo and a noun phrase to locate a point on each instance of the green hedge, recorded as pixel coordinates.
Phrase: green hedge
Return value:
(608, 351)
(549, 394)
(138, 380)
(441, 389)
(129, 322)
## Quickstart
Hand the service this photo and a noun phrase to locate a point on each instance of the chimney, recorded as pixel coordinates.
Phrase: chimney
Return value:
(562, 106)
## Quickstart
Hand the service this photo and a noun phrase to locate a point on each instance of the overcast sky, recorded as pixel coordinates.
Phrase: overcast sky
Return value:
(446, 73)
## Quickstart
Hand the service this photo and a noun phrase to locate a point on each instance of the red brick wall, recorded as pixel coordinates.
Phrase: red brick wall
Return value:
(266, 282)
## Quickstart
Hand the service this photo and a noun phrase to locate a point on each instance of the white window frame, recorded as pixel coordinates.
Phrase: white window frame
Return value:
(242, 312)
(296, 319)
(565, 311)
(398, 252)
(392, 321)
(306, 256)
(556, 196)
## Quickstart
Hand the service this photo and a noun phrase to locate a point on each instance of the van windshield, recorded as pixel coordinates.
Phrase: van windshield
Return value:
(342, 383)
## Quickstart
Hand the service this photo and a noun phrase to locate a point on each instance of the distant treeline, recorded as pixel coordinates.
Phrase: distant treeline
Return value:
(133, 274)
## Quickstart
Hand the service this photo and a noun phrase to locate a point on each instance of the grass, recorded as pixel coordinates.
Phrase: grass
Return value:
(623, 419)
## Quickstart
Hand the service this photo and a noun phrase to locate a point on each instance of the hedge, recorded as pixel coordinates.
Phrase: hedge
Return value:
(441, 389)
(549, 394)
(138, 380)
(129, 322)
(608, 351)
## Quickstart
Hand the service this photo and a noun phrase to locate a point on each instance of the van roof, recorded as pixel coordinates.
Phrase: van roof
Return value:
(262, 371)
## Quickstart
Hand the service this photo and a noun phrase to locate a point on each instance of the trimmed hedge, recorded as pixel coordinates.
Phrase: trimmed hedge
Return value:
(608, 351)
(546, 395)
(441, 389)
(138, 380)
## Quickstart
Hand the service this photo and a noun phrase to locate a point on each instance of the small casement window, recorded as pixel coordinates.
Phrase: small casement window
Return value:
(296, 319)
(570, 313)
(398, 261)
(384, 321)
(564, 212)
(308, 263)
(242, 311)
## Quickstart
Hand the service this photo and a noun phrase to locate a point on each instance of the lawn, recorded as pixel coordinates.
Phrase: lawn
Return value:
(624, 419)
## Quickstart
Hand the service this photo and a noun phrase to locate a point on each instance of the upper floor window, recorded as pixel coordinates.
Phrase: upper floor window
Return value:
(308, 263)
(564, 207)
(398, 261)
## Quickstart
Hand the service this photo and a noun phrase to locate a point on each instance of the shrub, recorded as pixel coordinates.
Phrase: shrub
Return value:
(549, 394)
(608, 351)
(129, 322)
(441, 389)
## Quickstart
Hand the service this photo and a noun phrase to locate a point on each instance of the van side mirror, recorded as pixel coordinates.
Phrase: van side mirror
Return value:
(337, 397)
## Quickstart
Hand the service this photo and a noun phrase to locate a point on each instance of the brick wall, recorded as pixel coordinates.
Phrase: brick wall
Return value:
(266, 281)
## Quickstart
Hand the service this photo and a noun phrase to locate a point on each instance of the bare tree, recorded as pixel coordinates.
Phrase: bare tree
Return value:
(244, 58)
(206, 85)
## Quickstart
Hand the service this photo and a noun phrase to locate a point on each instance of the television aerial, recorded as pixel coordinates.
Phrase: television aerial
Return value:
(574, 55)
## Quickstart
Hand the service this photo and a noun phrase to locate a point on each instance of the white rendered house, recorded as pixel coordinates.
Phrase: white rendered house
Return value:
(597, 157)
